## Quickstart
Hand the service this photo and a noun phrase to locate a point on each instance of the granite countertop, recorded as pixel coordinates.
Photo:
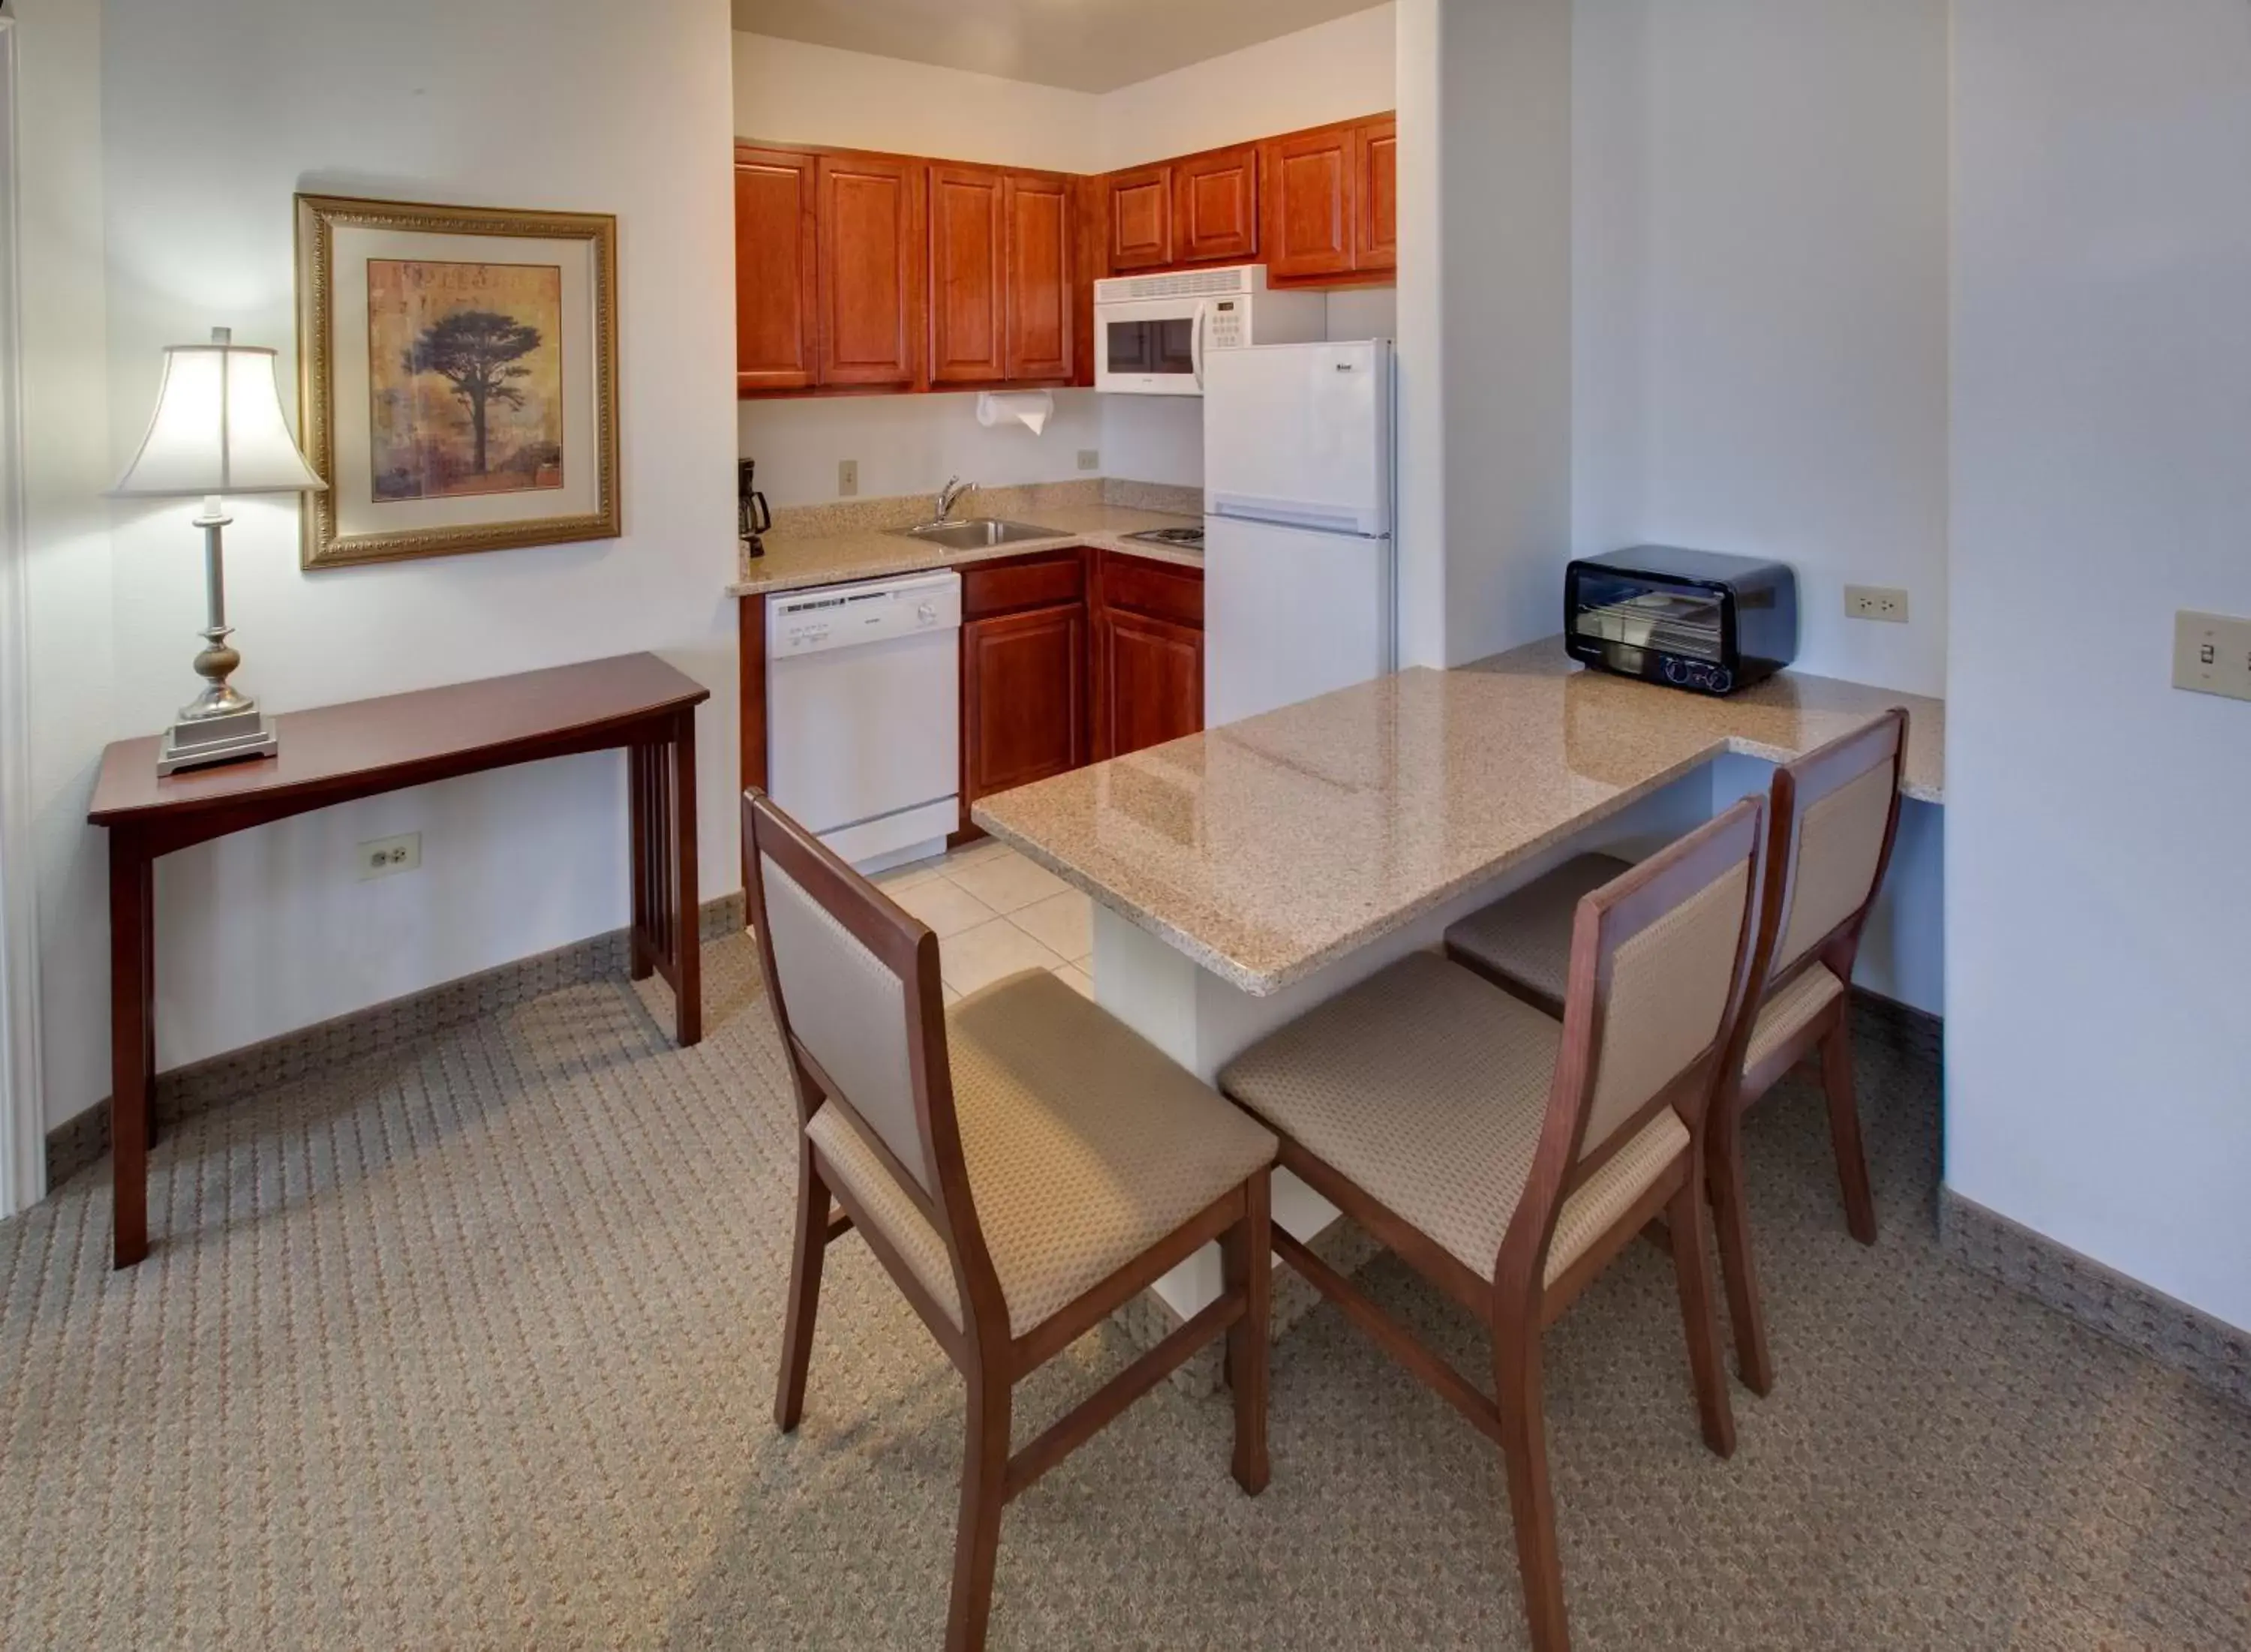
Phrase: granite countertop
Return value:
(796, 557)
(1268, 848)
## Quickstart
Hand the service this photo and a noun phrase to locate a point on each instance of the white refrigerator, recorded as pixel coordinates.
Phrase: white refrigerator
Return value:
(1297, 568)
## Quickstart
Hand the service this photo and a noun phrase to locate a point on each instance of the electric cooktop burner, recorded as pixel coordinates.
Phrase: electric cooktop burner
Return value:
(1187, 538)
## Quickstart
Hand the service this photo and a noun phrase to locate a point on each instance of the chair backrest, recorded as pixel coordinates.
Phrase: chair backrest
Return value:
(854, 987)
(1660, 967)
(1831, 818)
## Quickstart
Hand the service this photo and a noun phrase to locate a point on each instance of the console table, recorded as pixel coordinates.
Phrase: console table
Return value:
(635, 702)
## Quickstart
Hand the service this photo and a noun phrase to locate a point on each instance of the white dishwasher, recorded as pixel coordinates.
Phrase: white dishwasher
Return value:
(863, 715)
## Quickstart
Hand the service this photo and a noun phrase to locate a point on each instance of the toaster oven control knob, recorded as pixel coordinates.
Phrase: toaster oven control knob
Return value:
(1676, 672)
(1719, 678)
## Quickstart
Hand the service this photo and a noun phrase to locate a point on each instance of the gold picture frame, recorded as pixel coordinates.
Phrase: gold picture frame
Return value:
(458, 369)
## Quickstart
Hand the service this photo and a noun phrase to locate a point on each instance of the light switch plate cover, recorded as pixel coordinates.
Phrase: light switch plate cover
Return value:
(2211, 654)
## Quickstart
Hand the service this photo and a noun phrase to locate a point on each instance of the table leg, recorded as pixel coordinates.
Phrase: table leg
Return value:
(642, 794)
(132, 1039)
(687, 920)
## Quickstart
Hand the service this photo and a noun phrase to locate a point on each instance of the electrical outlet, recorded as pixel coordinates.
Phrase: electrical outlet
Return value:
(2211, 654)
(1875, 602)
(381, 857)
(847, 478)
(1089, 459)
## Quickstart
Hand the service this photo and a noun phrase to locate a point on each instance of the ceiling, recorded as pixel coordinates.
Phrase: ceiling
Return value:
(1089, 45)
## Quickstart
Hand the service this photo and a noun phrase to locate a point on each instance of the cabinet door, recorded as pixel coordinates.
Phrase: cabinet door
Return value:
(1376, 244)
(1151, 677)
(871, 261)
(775, 271)
(1023, 699)
(1215, 206)
(966, 301)
(1141, 219)
(1311, 202)
(1041, 330)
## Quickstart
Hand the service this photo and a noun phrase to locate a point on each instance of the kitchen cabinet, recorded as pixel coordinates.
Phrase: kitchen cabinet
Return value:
(1023, 671)
(969, 275)
(1216, 207)
(1140, 217)
(1040, 306)
(776, 278)
(871, 266)
(1148, 665)
(1312, 202)
(1376, 245)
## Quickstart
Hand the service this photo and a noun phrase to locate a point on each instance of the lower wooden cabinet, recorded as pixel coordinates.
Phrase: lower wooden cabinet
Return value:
(1150, 678)
(1023, 700)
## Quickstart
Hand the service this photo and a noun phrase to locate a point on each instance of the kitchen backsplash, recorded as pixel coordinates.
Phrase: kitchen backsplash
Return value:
(1022, 500)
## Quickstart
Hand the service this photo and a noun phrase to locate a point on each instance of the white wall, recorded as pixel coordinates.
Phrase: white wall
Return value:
(911, 444)
(2098, 891)
(1761, 300)
(1330, 72)
(1484, 324)
(66, 455)
(610, 109)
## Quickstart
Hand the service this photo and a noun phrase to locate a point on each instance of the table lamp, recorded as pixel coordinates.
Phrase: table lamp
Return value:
(218, 429)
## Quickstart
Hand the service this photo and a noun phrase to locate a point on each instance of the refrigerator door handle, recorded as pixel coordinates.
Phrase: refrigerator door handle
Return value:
(1195, 343)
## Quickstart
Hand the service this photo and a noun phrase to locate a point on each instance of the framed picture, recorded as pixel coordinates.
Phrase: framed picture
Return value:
(459, 375)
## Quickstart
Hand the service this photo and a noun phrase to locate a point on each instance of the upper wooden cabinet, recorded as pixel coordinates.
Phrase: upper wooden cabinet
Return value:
(1376, 244)
(967, 275)
(1039, 305)
(1140, 214)
(1215, 206)
(776, 278)
(871, 270)
(1312, 197)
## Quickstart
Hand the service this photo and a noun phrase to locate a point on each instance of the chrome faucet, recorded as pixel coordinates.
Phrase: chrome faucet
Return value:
(949, 495)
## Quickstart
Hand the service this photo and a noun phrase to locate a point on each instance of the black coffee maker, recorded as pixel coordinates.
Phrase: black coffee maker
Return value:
(751, 516)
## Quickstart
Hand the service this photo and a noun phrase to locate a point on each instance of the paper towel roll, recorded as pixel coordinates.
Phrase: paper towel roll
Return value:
(1032, 408)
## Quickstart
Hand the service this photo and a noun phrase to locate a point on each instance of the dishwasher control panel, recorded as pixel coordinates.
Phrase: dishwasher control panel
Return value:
(803, 622)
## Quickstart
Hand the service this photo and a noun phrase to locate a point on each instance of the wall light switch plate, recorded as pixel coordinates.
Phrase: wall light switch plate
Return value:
(2211, 654)
(1089, 459)
(847, 478)
(1875, 602)
(382, 857)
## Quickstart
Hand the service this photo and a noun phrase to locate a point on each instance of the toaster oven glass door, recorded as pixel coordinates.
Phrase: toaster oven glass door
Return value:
(1637, 614)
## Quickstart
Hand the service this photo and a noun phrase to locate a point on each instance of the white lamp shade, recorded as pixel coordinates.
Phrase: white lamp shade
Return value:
(218, 429)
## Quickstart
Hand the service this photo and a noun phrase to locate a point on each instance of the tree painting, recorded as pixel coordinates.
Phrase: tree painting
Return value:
(465, 377)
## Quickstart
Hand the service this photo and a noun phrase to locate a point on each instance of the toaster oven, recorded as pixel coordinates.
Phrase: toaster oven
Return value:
(1695, 619)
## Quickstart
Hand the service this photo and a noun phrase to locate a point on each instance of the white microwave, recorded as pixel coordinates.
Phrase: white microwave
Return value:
(1152, 332)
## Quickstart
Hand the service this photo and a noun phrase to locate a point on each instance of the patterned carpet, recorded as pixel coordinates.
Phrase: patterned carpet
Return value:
(472, 1346)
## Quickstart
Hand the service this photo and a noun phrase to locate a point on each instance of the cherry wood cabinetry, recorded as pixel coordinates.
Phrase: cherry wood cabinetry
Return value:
(1139, 212)
(776, 277)
(1375, 246)
(871, 270)
(1023, 671)
(1215, 206)
(1040, 305)
(1332, 201)
(967, 275)
(1147, 667)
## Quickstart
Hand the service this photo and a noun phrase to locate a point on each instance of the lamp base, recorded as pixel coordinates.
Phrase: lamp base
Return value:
(205, 740)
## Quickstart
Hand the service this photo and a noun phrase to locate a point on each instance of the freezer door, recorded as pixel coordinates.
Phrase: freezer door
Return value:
(1289, 615)
(1300, 433)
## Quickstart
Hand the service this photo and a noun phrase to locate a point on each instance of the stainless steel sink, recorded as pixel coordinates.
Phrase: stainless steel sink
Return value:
(976, 533)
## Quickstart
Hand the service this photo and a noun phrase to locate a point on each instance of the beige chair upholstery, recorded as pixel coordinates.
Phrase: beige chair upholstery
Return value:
(1427, 1088)
(848, 1011)
(1841, 840)
(1790, 1012)
(1085, 1147)
(1526, 937)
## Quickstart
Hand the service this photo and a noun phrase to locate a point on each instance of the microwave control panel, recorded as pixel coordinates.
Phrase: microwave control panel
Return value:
(1226, 327)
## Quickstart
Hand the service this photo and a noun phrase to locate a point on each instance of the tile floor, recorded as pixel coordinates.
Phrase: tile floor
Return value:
(995, 913)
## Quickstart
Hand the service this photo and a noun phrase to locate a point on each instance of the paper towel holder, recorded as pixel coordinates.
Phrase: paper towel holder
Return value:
(1031, 409)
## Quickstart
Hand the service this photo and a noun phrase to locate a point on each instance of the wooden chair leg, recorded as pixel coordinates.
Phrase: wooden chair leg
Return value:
(1531, 1498)
(812, 1242)
(1703, 1331)
(1845, 1131)
(1723, 1156)
(1247, 1256)
(983, 1491)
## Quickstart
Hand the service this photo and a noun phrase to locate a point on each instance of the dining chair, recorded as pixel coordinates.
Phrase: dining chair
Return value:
(1507, 1158)
(1832, 817)
(1022, 1165)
